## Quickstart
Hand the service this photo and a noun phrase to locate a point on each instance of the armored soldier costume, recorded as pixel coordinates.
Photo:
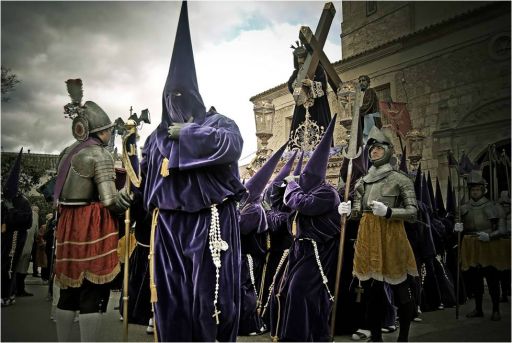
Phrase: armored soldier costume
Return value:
(384, 199)
(485, 248)
(87, 232)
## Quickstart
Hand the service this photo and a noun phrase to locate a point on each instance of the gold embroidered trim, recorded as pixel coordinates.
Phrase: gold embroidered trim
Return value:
(130, 150)
(64, 281)
(89, 242)
(87, 258)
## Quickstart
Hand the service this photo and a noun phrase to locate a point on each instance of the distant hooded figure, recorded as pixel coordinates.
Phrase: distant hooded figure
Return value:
(384, 199)
(253, 226)
(309, 281)
(16, 220)
(192, 185)
(279, 217)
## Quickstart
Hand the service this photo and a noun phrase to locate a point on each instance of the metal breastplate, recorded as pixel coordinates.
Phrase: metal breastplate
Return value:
(89, 167)
(476, 218)
(382, 191)
(394, 190)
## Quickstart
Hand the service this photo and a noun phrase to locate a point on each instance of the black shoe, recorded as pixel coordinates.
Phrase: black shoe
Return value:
(496, 316)
(24, 294)
(475, 314)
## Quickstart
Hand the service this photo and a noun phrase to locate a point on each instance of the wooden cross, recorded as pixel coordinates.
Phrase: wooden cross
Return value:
(216, 315)
(314, 45)
(309, 40)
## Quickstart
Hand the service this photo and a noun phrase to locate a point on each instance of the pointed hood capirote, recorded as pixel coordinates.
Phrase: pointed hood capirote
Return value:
(417, 183)
(12, 182)
(285, 171)
(425, 193)
(257, 183)
(298, 167)
(441, 211)
(316, 168)
(181, 99)
(431, 190)
(403, 161)
(450, 198)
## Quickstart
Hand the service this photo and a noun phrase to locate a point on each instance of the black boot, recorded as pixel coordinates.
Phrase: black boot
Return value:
(478, 307)
(406, 313)
(20, 286)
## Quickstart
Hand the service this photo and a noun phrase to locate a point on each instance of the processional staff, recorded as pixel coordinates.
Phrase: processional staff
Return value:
(352, 152)
(131, 164)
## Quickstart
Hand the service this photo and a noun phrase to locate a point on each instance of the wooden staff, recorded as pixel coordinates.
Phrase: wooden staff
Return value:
(130, 129)
(351, 153)
(127, 242)
(457, 285)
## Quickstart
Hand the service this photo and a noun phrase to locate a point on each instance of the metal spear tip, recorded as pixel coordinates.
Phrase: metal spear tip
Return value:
(347, 153)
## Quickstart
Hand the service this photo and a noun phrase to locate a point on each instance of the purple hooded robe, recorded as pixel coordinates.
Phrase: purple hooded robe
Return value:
(203, 171)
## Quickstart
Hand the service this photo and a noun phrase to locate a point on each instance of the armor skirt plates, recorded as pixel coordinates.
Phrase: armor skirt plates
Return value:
(382, 251)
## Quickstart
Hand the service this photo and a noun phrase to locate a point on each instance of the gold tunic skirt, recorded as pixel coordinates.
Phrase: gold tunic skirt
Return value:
(382, 251)
(494, 253)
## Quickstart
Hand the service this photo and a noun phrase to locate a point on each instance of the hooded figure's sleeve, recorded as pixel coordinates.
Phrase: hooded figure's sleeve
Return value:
(253, 219)
(317, 202)
(276, 219)
(208, 145)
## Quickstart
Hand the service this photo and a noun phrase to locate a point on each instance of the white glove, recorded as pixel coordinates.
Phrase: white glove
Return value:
(345, 208)
(379, 209)
(291, 178)
(483, 236)
(459, 227)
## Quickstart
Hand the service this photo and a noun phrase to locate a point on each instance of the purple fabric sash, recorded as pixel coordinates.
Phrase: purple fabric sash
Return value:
(62, 172)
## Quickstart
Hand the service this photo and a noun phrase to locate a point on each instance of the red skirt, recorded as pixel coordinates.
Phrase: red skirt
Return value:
(87, 238)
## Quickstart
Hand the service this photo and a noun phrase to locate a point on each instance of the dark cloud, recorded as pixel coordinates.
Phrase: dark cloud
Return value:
(121, 50)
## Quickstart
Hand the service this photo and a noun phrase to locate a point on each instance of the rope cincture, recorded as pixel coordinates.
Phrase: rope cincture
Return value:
(12, 252)
(320, 268)
(216, 245)
(259, 301)
(275, 338)
(251, 274)
(271, 288)
(152, 286)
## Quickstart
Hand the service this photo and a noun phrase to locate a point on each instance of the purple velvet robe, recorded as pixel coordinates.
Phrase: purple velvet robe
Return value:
(253, 223)
(278, 218)
(307, 306)
(203, 170)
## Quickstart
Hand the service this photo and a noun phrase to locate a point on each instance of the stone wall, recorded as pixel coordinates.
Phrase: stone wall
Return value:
(454, 76)
(361, 32)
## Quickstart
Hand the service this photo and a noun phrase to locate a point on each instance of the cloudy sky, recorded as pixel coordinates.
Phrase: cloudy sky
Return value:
(121, 51)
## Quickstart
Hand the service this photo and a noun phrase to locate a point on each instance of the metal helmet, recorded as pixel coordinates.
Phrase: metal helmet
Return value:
(475, 178)
(377, 138)
(93, 119)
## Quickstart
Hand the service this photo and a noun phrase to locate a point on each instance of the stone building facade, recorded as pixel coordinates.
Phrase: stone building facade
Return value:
(449, 61)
